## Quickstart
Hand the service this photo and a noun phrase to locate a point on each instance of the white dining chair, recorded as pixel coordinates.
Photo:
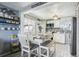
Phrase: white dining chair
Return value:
(47, 50)
(26, 46)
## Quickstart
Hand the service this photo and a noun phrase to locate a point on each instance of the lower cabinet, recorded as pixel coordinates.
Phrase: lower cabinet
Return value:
(59, 37)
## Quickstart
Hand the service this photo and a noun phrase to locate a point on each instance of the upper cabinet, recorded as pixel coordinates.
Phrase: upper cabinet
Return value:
(56, 23)
(53, 23)
(66, 23)
(49, 25)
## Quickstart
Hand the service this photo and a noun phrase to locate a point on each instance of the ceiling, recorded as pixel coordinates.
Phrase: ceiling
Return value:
(16, 5)
(61, 9)
(46, 11)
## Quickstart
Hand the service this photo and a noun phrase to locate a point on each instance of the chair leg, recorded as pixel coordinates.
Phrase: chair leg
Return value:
(38, 52)
(29, 55)
(47, 52)
(22, 53)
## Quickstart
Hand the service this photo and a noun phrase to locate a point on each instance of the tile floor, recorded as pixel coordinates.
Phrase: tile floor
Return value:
(62, 50)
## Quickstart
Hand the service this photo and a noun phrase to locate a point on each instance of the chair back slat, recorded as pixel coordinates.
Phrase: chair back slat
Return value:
(24, 40)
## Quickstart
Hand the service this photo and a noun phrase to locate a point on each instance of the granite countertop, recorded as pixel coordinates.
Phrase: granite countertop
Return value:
(55, 30)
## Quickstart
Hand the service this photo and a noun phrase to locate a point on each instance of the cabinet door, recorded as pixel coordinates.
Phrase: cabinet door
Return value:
(66, 23)
(56, 23)
(59, 37)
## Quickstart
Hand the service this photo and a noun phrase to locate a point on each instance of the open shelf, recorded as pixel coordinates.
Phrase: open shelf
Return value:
(9, 21)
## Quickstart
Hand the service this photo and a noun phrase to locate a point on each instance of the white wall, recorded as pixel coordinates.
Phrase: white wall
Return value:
(43, 24)
(28, 21)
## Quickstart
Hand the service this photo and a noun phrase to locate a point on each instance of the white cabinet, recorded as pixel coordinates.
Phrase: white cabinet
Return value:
(56, 23)
(59, 37)
(66, 23)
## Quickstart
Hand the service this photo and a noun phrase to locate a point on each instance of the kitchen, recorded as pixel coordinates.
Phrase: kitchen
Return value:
(49, 27)
(60, 29)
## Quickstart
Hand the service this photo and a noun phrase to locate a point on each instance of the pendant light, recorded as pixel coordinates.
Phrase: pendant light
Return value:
(55, 17)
